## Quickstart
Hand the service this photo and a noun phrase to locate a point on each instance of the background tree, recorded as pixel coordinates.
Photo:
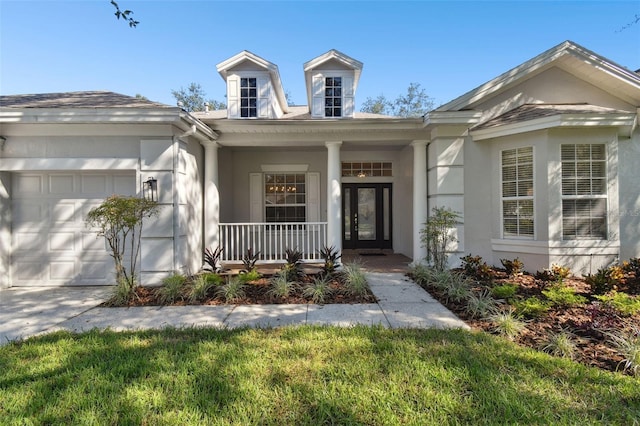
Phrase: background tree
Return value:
(125, 15)
(193, 98)
(415, 103)
(379, 105)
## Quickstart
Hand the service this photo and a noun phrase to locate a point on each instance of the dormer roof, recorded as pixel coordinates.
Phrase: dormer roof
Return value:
(244, 57)
(341, 61)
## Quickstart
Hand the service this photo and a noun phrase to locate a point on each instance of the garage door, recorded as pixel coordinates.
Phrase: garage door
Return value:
(51, 244)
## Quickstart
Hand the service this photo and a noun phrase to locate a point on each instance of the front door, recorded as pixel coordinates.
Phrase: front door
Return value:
(366, 209)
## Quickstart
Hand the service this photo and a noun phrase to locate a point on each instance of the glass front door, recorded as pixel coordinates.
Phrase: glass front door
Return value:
(367, 215)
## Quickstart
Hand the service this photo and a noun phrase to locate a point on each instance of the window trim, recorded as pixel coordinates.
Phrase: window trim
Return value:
(518, 198)
(589, 197)
(266, 205)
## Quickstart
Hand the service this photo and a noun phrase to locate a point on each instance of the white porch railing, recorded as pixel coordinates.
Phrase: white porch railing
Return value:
(272, 239)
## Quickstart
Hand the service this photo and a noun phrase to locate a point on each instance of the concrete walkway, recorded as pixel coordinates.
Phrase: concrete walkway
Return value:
(401, 304)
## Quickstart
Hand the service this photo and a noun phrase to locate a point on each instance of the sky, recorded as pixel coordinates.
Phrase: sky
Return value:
(448, 47)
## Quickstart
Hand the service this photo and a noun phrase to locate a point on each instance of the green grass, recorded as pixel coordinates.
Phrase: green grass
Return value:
(302, 375)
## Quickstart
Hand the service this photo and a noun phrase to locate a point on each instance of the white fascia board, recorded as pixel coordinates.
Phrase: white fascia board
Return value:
(24, 164)
(203, 132)
(88, 115)
(313, 126)
(452, 117)
(624, 123)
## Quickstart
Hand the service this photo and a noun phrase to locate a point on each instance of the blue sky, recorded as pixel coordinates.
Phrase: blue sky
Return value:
(448, 47)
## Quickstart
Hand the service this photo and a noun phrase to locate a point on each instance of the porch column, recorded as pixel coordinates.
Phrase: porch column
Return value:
(334, 196)
(420, 205)
(211, 195)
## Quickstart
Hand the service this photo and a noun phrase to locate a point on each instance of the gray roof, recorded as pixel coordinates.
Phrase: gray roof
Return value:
(92, 99)
(528, 112)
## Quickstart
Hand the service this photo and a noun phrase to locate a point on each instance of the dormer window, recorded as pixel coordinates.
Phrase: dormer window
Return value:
(331, 81)
(248, 97)
(254, 89)
(333, 97)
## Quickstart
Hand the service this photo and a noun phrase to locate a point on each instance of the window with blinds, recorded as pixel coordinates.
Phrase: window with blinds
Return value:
(584, 191)
(517, 192)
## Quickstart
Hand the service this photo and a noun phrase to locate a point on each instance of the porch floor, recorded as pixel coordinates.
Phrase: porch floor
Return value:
(383, 261)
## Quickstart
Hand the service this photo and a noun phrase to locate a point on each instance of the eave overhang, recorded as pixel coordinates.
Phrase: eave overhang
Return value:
(625, 123)
(170, 116)
(315, 132)
(88, 115)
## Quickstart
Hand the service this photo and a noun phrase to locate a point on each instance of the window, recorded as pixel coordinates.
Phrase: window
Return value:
(517, 192)
(333, 97)
(285, 197)
(365, 169)
(584, 191)
(248, 97)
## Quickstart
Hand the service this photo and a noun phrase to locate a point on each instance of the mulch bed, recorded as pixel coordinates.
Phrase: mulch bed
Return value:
(256, 293)
(586, 323)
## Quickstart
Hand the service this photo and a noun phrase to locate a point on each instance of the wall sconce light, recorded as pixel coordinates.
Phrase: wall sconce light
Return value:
(150, 189)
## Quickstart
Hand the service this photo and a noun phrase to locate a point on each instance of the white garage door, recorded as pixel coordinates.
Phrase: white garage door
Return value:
(51, 244)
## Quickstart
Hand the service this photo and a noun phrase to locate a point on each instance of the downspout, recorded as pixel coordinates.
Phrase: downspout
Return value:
(175, 195)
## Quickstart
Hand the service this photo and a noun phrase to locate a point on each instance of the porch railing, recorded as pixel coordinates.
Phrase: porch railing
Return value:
(272, 239)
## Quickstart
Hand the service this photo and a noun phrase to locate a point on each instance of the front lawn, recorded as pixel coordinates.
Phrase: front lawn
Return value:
(302, 375)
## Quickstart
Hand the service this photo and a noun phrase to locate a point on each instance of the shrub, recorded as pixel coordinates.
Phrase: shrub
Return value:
(632, 268)
(457, 289)
(604, 280)
(249, 260)
(560, 344)
(354, 279)
(172, 288)
(421, 273)
(436, 235)
(249, 276)
(622, 303)
(504, 291)
(563, 296)
(556, 274)
(212, 257)
(232, 290)
(512, 267)
(318, 290)
(627, 343)
(480, 305)
(506, 324)
(475, 267)
(281, 287)
(330, 256)
(292, 268)
(122, 293)
(202, 285)
(531, 307)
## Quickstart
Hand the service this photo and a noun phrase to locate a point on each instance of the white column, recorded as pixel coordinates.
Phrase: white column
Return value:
(334, 196)
(211, 195)
(420, 205)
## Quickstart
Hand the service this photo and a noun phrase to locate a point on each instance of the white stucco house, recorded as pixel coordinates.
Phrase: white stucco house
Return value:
(542, 163)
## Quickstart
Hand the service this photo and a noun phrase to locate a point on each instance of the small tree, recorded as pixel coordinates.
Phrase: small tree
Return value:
(436, 236)
(119, 221)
